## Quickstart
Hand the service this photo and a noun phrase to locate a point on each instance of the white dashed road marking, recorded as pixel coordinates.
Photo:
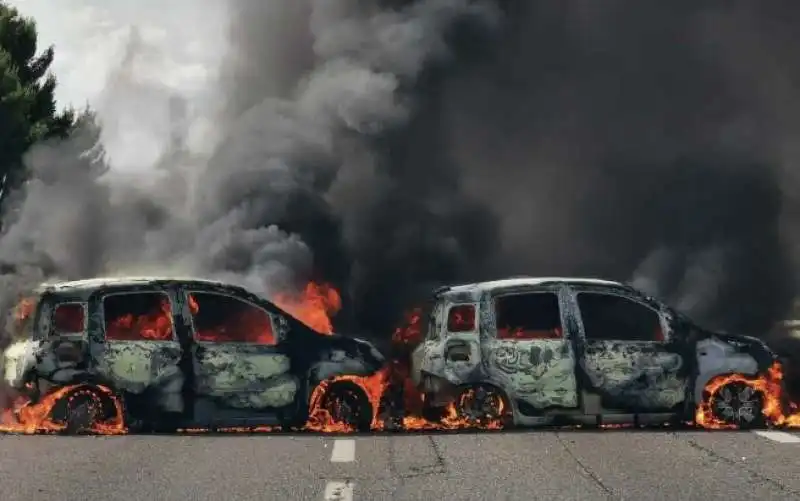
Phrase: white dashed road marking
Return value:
(339, 491)
(779, 436)
(344, 451)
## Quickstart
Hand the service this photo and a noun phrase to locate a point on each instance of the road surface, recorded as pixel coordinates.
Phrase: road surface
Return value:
(531, 465)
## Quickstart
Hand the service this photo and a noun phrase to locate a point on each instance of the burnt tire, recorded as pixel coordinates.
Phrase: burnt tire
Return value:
(81, 409)
(348, 404)
(738, 404)
(482, 404)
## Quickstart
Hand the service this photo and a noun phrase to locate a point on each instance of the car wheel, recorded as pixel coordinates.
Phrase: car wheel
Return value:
(81, 410)
(482, 404)
(347, 404)
(738, 404)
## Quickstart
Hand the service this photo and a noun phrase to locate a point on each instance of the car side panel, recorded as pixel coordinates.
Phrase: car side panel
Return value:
(245, 377)
(635, 375)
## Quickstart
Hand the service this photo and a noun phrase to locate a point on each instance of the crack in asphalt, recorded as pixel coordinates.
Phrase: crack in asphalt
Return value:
(753, 474)
(586, 470)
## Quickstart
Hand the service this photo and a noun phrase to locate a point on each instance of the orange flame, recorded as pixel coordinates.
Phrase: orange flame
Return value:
(771, 388)
(315, 306)
(31, 418)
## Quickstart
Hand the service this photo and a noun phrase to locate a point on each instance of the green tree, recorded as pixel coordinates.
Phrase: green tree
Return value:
(28, 111)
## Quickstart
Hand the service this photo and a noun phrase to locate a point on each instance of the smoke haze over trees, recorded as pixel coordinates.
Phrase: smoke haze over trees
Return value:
(386, 146)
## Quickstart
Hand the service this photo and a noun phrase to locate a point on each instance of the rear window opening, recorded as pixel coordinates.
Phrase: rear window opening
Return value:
(461, 318)
(528, 316)
(141, 316)
(69, 318)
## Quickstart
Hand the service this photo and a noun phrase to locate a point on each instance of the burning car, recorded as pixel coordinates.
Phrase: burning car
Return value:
(544, 351)
(168, 353)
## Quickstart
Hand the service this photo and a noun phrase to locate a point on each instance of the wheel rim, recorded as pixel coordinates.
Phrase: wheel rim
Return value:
(481, 404)
(737, 403)
(83, 410)
(343, 406)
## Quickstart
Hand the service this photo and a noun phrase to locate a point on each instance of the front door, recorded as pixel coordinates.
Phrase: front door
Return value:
(626, 357)
(529, 350)
(237, 363)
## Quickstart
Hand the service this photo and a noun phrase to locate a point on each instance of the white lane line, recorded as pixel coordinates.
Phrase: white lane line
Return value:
(779, 436)
(344, 451)
(339, 491)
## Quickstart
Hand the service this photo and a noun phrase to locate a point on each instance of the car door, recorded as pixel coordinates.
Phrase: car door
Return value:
(136, 344)
(237, 363)
(529, 350)
(625, 355)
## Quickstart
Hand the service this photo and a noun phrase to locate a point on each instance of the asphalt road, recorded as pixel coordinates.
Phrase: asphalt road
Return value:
(533, 465)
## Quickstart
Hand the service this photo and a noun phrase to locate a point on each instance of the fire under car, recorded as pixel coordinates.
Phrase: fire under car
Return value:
(550, 351)
(180, 353)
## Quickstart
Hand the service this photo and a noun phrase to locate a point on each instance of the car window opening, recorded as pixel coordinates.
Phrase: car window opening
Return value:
(528, 316)
(144, 316)
(461, 318)
(69, 318)
(224, 319)
(616, 318)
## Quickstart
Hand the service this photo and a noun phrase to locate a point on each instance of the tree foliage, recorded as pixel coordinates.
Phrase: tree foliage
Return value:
(28, 111)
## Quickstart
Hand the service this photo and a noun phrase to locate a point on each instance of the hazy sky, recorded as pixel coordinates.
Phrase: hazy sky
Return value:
(90, 38)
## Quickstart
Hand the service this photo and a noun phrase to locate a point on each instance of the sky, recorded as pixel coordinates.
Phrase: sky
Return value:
(178, 54)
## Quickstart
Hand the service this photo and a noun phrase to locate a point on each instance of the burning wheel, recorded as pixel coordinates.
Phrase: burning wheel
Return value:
(82, 409)
(347, 404)
(738, 404)
(482, 405)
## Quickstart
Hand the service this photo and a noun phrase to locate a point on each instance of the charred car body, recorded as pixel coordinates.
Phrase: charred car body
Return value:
(181, 353)
(543, 351)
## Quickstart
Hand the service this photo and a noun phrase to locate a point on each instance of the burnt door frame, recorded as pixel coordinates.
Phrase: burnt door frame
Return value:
(97, 334)
(631, 375)
(516, 364)
(242, 349)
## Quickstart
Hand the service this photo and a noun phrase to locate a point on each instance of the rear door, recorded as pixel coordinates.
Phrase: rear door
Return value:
(237, 363)
(529, 350)
(628, 359)
(138, 348)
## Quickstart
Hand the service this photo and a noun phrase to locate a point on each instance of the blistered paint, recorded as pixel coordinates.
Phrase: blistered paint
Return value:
(246, 376)
(540, 373)
(280, 391)
(635, 375)
(136, 365)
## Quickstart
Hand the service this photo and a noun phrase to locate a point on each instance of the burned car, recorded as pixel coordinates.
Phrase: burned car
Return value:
(544, 351)
(179, 353)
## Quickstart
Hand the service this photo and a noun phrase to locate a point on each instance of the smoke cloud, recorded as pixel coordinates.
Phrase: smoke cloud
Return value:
(386, 146)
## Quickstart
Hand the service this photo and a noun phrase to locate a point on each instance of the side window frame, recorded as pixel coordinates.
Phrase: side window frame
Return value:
(102, 315)
(52, 324)
(659, 314)
(277, 332)
(562, 314)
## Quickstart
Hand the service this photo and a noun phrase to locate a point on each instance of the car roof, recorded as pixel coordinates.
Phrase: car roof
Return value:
(531, 282)
(95, 283)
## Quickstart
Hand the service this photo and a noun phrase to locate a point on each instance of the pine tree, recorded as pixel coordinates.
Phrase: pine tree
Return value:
(28, 111)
